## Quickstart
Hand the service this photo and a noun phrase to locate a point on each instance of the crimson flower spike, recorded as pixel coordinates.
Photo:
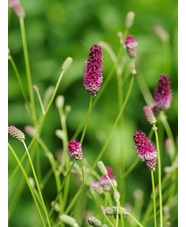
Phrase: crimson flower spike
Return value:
(145, 149)
(93, 78)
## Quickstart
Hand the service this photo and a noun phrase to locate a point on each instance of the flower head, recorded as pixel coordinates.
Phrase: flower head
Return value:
(16, 133)
(75, 149)
(93, 78)
(95, 186)
(162, 94)
(149, 115)
(104, 182)
(17, 8)
(130, 43)
(145, 149)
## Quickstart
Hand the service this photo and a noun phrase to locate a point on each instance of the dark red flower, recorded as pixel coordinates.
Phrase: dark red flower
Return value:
(145, 149)
(93, 78)
(162, 94)
(130, 43)
(75, 149)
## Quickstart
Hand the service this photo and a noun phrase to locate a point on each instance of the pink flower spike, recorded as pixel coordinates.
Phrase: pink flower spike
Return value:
(130, 44)
(105, 182)
(145, 149)
(17, 8)
(16, 133)
(75, 149)
(162, 94)
(149, 115)
(93, 78)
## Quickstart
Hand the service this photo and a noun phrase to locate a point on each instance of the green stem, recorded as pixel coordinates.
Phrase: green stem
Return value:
(37, 184)
(154, 196)
(18, 78)
(134, 219)
(101, 91)
(48, 107)
(61, 188)
(82, 188)
(87, 118)
(159, 176)
(129, 170)
(167, 127)
(117, 203)
(53, 165)
(115, 124)
(28, 182)
(27, 65)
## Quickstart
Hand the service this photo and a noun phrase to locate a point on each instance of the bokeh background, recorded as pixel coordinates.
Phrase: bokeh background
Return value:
(58, 29)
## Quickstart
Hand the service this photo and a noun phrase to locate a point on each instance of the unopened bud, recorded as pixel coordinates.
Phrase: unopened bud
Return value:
(129, 19)
(94, 222)
(60, 101)
(47, 96)
(16, 133)
(161, 33)
(114, 211)
(30, 130)
(149, 115)
(169, 148)
(116, 196)
(60, 134)
(102, 168)
(66, 64)
(17, 8)
(68, 220)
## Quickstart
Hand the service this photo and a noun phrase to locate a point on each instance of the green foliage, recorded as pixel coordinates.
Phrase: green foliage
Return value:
(58, 29)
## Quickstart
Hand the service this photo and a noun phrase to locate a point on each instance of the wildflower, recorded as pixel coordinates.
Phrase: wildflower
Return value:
(16, 133)
(17, 8)
(130, 43)
(75, 149)
(162, 94)
(149, 115)
(93, 78)
(95, 186)
(104, 182)
(146, 149)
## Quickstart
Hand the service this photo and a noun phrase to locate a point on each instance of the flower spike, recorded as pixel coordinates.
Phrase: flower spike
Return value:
(93, 78)
(145, 149)
(75, 149)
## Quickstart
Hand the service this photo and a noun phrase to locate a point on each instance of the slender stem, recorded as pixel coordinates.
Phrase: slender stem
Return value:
(60, 190)
(41, 123)
(167, 127)
(53, 165)
(28, 182)
(134, 219)
(18, 78)
(27, 65)
(154, 196)
(115, 123)
(101, 91)
(159, 176)
(87, 118)
(37, 184)
(82, 188)
(129, 170)
(40, 101)
(81, 141)
(48, 107)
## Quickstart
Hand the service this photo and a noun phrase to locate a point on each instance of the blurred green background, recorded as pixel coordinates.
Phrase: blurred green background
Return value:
(58, 29)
